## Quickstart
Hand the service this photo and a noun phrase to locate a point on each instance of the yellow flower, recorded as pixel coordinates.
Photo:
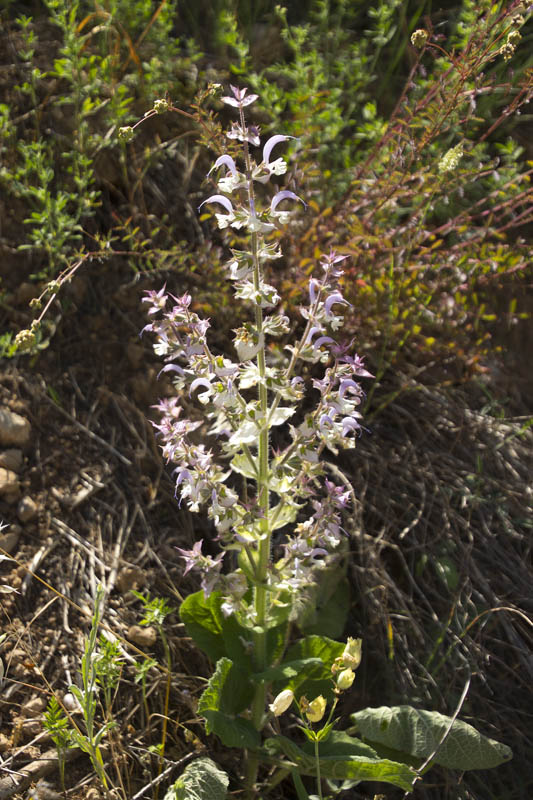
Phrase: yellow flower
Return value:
(316, 709)
(345, 679)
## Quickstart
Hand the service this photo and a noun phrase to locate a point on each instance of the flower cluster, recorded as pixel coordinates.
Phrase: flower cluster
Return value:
(244, 399)
(450, 160)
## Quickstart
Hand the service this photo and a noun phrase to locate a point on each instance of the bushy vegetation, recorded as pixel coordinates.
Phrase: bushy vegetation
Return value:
(405, 132)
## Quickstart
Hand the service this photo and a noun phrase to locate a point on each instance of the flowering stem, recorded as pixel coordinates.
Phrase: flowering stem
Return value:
(263, 555)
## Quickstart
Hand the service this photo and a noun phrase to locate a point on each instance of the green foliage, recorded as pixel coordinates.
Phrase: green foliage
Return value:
(221, 636)
(105, 59)
(156, 609)
(316, 654)
(229, 692)
(342, 758)
(200, 780)
(90, 740)
(56, 723)
(433, 239)
(452, 743)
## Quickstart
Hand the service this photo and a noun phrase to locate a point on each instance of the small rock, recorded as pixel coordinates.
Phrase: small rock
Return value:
(31, 728)
(9, 485)
(5, 743)
(14, 429)
(10, 540)
(27, 509)
(11, 459)
(17, 655)
(130, 578)
(34, 706)
(143, 637)
(92, 793)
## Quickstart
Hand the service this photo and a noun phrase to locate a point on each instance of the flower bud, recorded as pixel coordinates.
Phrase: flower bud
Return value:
(352, 653)
(419, 38)
(25, 340)
(282, 702)
(345, 679)
(316, 709)
(160, 106)
(126, 133)
(507, 50)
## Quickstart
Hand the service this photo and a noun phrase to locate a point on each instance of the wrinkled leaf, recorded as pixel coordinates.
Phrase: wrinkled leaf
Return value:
(214, 633)
(419, 733)
(200, 780)
(341, 758)
(228, 692)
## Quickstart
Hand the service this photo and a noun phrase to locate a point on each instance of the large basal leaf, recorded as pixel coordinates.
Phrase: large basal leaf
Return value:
(419, 733)
(227, 693)
(343, 758)
(200, 780)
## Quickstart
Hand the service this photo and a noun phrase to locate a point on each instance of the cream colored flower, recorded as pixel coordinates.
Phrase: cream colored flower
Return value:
(282, 702)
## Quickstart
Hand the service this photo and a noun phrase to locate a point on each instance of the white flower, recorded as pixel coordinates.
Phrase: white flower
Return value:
(282, 702)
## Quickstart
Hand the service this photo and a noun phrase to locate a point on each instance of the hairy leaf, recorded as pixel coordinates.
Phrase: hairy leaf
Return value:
(200, 780)
(228, 692)
(420, 733)
(342, 757)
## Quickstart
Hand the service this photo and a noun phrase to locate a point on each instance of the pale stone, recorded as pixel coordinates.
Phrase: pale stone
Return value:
(11, 459)
(10, 540)
(9, 485)
(143, 637)
(34, 706)
(14, 429)
(27, 509)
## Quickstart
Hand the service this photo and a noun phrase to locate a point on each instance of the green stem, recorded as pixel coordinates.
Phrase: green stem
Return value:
(318, 779)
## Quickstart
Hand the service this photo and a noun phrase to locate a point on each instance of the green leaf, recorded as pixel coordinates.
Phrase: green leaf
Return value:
(241, 464)
(200, 780)
(315, 678)
(214, 633)
(342, 757)
(330, 609)
(284, 514)
(228, 692)
(419, 733)
(228, 689)
(289, 669)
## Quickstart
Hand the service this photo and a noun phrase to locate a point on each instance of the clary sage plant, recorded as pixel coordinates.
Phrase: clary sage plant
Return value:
(276, 506)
